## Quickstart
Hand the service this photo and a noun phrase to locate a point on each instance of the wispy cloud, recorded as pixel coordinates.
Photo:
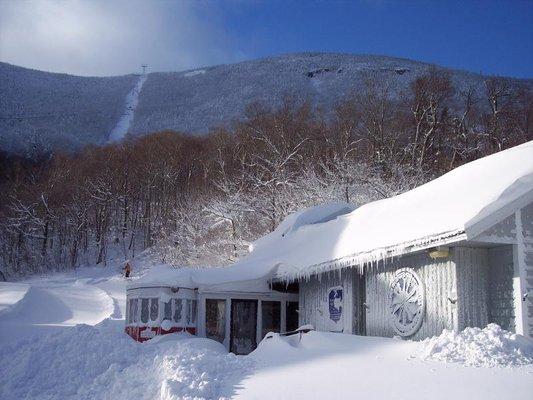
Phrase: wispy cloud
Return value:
(113, 37)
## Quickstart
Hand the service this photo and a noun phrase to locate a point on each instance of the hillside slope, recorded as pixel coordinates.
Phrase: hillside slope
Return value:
(40, 110)
(196, 100)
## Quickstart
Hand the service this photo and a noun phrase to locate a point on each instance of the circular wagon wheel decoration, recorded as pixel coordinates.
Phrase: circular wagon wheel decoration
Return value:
(407, 302)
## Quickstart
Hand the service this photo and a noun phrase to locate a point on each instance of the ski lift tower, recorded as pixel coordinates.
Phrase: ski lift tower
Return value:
(144, 66)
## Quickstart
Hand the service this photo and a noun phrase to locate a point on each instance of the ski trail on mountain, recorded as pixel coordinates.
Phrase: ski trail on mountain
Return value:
(132, 99)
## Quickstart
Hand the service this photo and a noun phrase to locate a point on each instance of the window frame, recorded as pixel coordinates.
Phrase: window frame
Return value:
(164, 310)
(145, 301)
(191, 310)
(221, 318)
(154, 309)
(135, 312)
(174, 308)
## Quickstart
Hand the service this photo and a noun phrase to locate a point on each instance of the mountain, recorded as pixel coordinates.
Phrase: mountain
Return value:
(40, 111)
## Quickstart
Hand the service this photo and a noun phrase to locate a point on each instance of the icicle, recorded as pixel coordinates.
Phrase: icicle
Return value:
(373, 259)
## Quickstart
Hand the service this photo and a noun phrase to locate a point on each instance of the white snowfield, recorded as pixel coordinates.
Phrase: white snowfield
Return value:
(63, 338)
(44, 305)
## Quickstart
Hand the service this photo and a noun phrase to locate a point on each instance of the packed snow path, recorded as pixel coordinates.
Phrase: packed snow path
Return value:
(52, 303)
(132, 99)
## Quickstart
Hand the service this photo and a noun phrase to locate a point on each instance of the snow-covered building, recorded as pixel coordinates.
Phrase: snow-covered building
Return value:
(455, 252)
(236, 306)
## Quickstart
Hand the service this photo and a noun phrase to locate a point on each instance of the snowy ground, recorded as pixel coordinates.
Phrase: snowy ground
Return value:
(337, 366)
(61, 337)
(50, 304)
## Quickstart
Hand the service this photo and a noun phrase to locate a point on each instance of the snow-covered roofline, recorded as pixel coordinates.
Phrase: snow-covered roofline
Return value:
(455, 207)
(235, 278)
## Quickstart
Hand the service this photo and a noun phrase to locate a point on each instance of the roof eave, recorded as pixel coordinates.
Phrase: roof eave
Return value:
(477, 228)
(360, 260)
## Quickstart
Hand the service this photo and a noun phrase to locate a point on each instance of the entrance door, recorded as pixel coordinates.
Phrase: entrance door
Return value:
(271, 317)
(360, 305)
(243, 326)
(291, 316)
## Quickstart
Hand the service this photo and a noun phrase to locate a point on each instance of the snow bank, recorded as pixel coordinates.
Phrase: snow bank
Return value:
(50, 304)
(324, 365)
(11, 293)
(101, 362)
(488, 347)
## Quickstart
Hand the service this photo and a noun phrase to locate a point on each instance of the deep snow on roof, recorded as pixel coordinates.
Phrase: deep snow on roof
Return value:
(328, 236)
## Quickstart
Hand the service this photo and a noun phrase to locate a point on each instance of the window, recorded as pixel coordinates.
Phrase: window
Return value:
(167, 311)
(215, 319)
(154, 309)
(144, 310)
(193, 319)
(135, 310)
(128, 311)
(292, 315)
(191, 312)
(177, 309)
(271, 317)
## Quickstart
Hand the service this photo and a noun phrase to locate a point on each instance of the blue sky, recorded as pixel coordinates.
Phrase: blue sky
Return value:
(114, 37)
(489, 36)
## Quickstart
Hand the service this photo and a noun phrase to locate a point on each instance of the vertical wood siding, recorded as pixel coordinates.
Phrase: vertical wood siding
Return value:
(472, 286)
(313, 300)
(505, 229)
(526, 262)
(439, 280)
(469, 288)
(501, 293)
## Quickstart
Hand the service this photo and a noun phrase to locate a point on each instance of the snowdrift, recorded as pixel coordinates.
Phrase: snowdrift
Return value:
(101, 362)
(10, 294)
(488, 347)
(323, 365)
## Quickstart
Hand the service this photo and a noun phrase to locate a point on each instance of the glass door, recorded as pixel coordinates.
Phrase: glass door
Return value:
(243, 338)
(271, 317)
(215, 319)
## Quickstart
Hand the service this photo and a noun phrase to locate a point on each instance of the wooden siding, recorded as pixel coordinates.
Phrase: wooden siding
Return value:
(502, 232)
(313, 300)
(501, 295)
(439, 279)
(525, 267)
(472, 286)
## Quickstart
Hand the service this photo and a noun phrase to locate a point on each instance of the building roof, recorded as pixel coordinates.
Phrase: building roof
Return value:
(454, 207)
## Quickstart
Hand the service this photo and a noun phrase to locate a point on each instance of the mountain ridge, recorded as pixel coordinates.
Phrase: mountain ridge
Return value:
(43, 111)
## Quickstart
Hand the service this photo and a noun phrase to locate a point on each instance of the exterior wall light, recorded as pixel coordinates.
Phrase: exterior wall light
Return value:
(439, 252)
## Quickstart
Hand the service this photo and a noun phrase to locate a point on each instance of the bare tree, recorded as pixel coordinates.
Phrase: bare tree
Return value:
(430, 95)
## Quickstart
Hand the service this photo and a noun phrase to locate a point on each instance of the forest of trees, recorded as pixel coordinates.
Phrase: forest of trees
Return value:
(200, 200)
